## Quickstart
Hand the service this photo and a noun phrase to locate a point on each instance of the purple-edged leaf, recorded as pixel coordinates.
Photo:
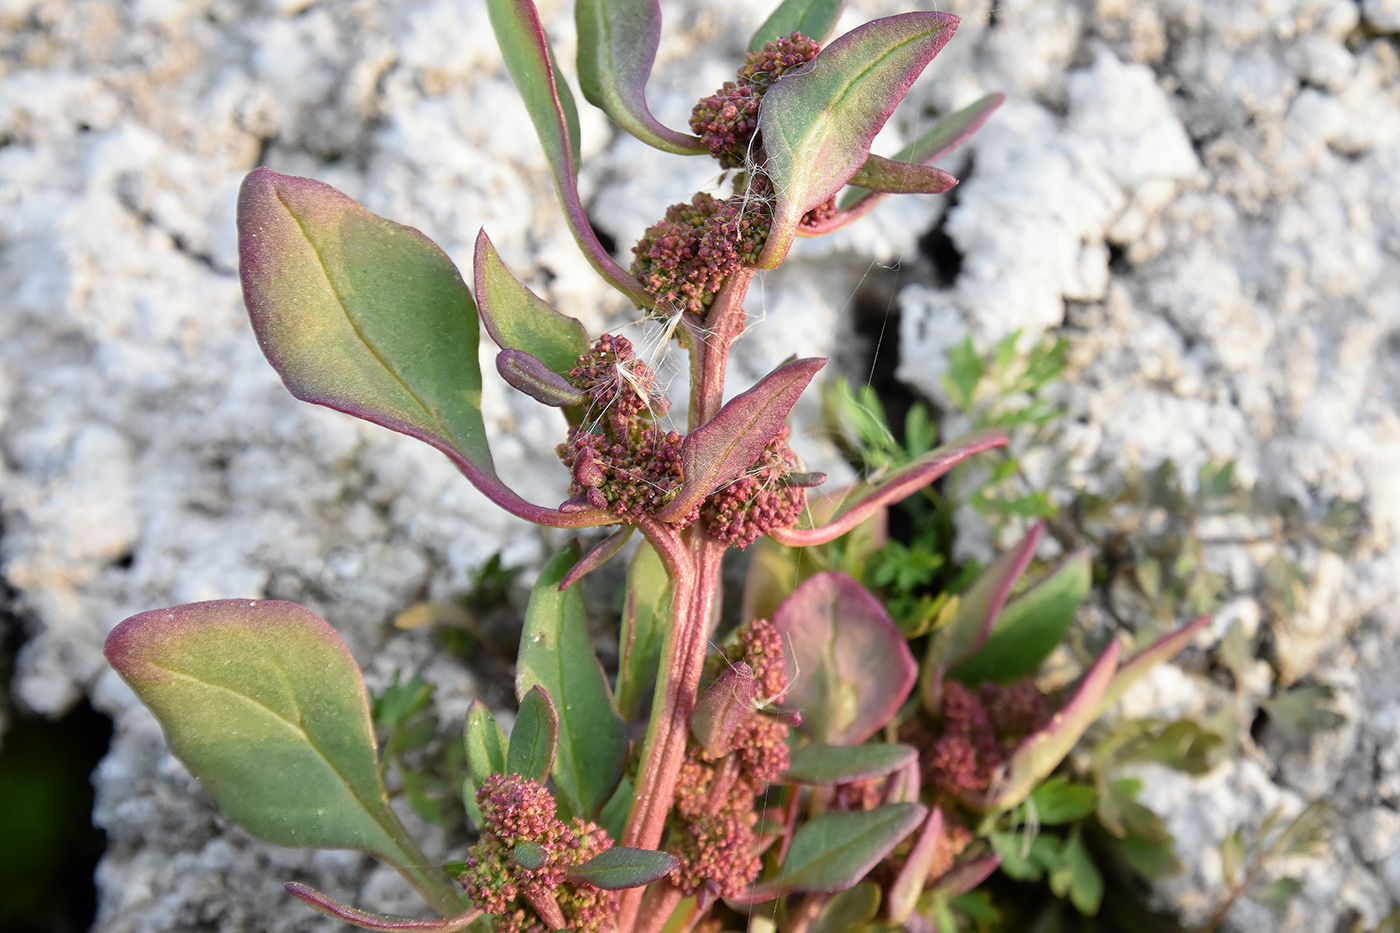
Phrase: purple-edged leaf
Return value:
(550, 104)
(369, 317)
(361, 314)
(1136, 667)
(722, 708)
(1039, 754)
(894, 177)
(815, 19)
(557, 654)
(818, 763)
(624, 867)
(851, 667)
(369, 921)
(963, 878)
(934, 143)
(903, 784)
(728, 444)
(834, 850)
(849, 910)
(616, 48)
(909, 883)
(518, 319)
(645, 613)
(864, 500)
(976, 615)
(598, 555)
(1030, 626)
(524, 372)
(534, 736)
(263, 703)
(818, 122)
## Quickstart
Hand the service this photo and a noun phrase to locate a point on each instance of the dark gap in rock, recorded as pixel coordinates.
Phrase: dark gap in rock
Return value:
(124, 561)
(1118, 260)
(183, 246)
(51, 847)
(608, 241)
(1258, 725)
(264, 145)
(940, 249)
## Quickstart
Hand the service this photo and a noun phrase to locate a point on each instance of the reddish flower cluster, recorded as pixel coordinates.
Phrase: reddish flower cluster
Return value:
(684, 259)
(821, 213)
(712, 832)
(619, 459)
(758, 501)
(977, 730)
(519, 812)
(728, 119)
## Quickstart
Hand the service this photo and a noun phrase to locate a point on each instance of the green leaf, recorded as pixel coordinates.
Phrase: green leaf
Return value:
(1030, 626)
(864, 500)
(964, 374)
(518, 319)
(851, 666)
(534, 736)
(624, 867)
(1079, 877)
(913, 875)
(937, 141)
(977, 613)
(815, 19)
(530, 62)
(645, 613)
(1183, 745)
(834, 850)
(816, 763)
(890, 176)
(485, 743)
(528, 854)
(1027, 859)
(369, 317)
(556, 654)
(1058, 801)
(617, 42)
(1302, 708)
(1276, 894)
(721, 708)
(263, 703)
(817, 123)
(1232, 856)
(361, 314)
(1136, 667)
(849, 910)
(1039, 754)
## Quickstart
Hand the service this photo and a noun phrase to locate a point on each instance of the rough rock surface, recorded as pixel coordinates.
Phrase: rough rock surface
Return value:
(1204, 194)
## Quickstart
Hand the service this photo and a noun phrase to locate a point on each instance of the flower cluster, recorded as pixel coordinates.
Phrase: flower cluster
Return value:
(517, 870)
(619, 459)
(977, 730)
(712, 831)
(727, 120)
(758, 501)
(684, 259)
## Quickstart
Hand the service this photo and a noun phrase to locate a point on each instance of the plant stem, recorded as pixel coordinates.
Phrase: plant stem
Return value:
(695, 580)
(683, 660)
